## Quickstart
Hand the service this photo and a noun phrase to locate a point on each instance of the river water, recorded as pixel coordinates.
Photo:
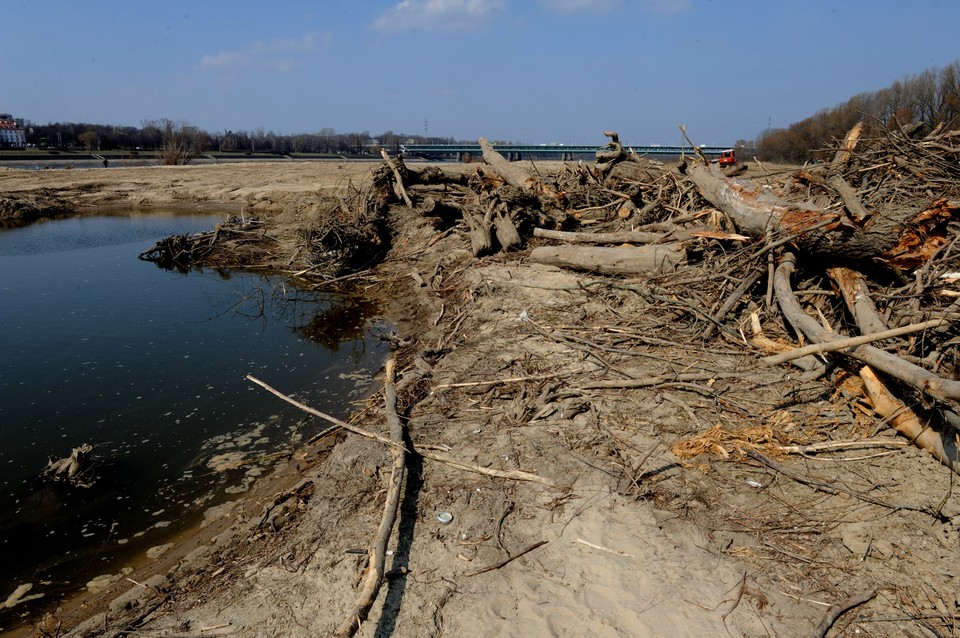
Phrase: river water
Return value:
(148, 366)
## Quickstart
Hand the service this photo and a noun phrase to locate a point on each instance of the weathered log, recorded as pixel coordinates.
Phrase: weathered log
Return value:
(940, 445)
(850, 199)
(624, 237)
(842, 343)
(833, 614)
(853, 288)
(398, 184)
(446, 214)
(900, 237)
(481, 241)
(511, 173)
(377, 554)
(617, 260)
(813, 367)
(506, 231)
(890, 364)
(606, 159)
(71, 468)
(515, 175)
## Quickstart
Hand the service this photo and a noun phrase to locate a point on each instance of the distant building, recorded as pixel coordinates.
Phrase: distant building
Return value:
(11, 132)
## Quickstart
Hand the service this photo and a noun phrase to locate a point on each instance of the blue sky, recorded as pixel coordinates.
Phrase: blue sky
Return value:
(534, 71)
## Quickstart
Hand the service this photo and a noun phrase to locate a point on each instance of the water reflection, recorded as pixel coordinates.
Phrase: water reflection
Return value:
(338, 323)
(149, 366)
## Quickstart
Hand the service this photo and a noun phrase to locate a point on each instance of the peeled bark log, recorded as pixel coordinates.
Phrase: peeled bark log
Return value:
(901, 238)
(515, 175)
(630, 260)
(753, 211)
(625, 237)
(942, 446)
(853, 287)
(849, 143)
(890, 364)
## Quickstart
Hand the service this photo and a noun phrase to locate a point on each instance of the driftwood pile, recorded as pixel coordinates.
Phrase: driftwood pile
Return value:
(76, 469)
(350, 235)
(218, 248)
(868, 241)
(877, 227)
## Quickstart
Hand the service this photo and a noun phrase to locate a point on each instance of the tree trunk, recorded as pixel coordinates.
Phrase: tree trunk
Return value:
(853, 287)
(623, 237)
(611, 260)
(890, 364)
(515, 175)
(506, 231)
(481, 241)
(899, 237)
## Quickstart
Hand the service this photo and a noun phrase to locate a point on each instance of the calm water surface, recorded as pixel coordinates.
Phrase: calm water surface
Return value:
(148, 366)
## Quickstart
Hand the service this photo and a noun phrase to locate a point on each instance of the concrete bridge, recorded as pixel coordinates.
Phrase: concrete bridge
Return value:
(564, 152)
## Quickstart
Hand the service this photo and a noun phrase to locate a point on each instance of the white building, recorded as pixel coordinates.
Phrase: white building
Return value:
(11, 132)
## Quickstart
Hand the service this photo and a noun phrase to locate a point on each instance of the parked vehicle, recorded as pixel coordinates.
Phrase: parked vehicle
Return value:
(727, 158)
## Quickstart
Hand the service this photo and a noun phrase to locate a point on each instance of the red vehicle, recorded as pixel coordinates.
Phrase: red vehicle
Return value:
(727, 158)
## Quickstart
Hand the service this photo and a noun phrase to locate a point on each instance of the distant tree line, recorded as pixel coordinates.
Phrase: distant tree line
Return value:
(930, 98)
(177, 141)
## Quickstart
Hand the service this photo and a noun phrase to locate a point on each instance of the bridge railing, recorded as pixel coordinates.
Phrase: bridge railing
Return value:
(551, 149)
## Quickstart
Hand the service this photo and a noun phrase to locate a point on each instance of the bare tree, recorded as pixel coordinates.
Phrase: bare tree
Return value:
(180, 141)
(88, 139)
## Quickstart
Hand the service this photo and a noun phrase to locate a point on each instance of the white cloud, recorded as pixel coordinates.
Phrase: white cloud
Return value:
(663, 7)
(573, 6)
(436, 15)
(281, 55)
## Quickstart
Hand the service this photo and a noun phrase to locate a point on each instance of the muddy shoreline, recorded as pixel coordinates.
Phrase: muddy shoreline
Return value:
(637, 542)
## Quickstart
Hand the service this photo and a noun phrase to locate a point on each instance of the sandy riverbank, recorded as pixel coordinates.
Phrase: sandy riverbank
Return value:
(635, 543)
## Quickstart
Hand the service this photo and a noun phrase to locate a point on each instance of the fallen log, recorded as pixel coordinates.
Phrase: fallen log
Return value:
(515, 175)
(73, 468)
(890, 364)
(515, 475)
(833, 614)
(906, 421)
(398, 183)
(481, 241)
(853, 288)
(850, 199)
(845, 152)
(623, 237)
(619, 260)
(606, 159)
(377, 554)
(505, 229)
(898, 236)
(850, 342)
